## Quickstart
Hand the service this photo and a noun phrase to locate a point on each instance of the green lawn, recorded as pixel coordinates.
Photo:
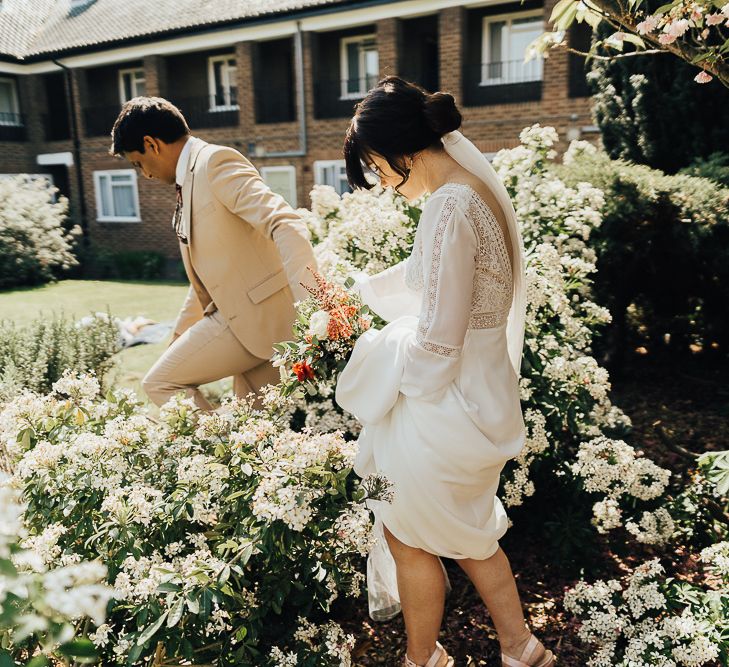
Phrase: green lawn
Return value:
(75, 298)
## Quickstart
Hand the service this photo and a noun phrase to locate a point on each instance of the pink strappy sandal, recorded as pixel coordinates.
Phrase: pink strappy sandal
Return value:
(531, 647)
(434, 660)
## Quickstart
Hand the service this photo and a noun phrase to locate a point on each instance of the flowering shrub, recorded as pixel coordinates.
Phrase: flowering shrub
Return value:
(693, 30)
(218, 530)
(34, 245)
(34, 356)
(38, 605)
(650, 620)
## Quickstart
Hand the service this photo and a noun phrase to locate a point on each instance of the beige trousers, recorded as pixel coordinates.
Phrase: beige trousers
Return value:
(206, 352)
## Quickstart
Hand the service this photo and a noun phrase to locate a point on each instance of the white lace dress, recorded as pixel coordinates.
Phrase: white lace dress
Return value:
(435, 390)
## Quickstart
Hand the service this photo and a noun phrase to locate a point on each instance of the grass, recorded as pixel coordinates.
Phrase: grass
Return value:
(158, 301)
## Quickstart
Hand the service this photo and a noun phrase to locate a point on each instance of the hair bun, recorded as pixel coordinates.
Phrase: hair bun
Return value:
(441, 113)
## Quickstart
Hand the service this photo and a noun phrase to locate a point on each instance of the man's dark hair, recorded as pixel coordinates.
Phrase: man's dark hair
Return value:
(146, 116)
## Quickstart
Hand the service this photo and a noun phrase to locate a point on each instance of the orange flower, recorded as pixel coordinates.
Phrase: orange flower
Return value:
(303, 371)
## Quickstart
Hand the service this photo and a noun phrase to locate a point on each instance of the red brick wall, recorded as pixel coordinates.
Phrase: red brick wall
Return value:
(491, 127)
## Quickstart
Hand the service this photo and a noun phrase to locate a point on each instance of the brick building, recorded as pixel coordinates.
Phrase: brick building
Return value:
(276, 79)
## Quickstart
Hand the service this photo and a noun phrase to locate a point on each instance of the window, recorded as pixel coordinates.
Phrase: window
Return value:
(131, 83)
(117, 199)
(360, 65)
(505, 41)
(222, 82)
(282, 180)
(9, 109)
(332, 172)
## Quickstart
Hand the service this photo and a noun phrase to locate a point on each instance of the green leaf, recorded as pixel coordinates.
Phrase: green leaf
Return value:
(634, 39)
(79, 648)
(151, 630)
(38, 661)
(560, 8)
(192, 604)
(175, 613)
(168, 587)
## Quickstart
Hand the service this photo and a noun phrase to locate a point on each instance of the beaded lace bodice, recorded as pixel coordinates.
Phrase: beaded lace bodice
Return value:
(492, 279)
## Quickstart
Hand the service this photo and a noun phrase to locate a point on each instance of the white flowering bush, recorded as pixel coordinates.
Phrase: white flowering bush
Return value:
(41, 606)
(219, 531)
(34, 243)
(649, 619)
(565, 392)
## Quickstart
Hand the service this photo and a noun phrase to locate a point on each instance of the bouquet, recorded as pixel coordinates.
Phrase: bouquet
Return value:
(327, 326)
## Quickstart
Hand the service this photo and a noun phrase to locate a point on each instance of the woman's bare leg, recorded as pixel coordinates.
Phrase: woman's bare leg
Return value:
(421, 584)
(495, 584)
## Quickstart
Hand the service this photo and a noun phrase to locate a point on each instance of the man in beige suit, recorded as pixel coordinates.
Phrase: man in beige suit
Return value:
(245, 251)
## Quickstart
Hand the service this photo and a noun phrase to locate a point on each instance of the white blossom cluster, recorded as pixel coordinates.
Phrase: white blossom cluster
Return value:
(288, 488)
(627, 623)
(328, 641)
(47, 599)
(611, 468)
(716, 560)
(369, 229)
(32, 233)
(518, 486)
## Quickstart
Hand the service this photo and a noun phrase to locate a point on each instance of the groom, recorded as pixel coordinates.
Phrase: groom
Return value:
(245, 251)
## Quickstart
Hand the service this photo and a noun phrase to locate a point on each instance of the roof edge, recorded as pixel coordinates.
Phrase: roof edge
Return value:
(204, 28)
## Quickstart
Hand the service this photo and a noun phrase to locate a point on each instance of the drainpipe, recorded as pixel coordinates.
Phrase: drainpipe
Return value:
(76, 150)
(300, 98)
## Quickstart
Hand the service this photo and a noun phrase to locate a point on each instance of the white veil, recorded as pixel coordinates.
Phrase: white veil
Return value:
(384, 599)
(470, 158)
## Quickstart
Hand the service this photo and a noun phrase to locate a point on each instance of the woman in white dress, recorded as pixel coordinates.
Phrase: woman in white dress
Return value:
(437, 389)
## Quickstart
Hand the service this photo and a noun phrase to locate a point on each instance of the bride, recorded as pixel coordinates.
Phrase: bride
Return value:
(437, 389)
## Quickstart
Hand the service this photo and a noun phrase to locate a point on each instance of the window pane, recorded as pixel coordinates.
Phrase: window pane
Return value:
(371, 67)
(494, 68)
(281, 182)
(522, 35)
(218, 76)
(139, 83)
(353, 67)
(121, 178)
(6, 97)
(106, 210)
(123, 196)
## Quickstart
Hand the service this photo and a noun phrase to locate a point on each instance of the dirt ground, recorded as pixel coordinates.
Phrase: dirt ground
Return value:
(683, 403)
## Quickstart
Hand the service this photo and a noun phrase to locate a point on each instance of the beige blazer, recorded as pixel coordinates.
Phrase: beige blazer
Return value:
(248, 250)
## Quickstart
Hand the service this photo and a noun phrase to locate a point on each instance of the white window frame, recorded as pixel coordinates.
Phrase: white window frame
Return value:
(14, 102)
(321, 165)
(226, 75)
(485, 45)
(135, 81)
(98, 175)
(280, 169)
(344, 66)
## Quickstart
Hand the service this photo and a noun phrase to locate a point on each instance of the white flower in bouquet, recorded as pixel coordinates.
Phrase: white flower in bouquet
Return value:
(318, 324)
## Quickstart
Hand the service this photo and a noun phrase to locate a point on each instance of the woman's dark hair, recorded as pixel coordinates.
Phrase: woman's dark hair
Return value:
(396, 120)
(146, 116)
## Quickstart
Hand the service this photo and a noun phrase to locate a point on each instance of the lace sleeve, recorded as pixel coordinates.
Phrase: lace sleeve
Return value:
(449, 264)
(387, 294)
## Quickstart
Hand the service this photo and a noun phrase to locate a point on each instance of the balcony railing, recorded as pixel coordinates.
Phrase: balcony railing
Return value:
(336, 98)
(209, 110)
(12, 127)
(505, 82)
(57, 127)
